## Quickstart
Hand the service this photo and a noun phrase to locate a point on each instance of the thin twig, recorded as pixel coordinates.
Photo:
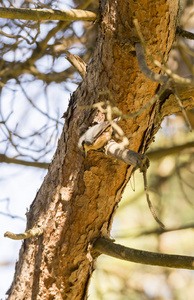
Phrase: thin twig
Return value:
(11, 216)
(153, 231)
(175, 92)
(36, 107)
(115, 110)
(181, 184)
(149, 201)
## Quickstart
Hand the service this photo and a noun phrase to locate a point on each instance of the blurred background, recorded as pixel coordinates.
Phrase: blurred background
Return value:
(35, 87)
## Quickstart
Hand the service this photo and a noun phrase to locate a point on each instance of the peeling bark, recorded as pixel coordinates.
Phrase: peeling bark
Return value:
(78, 198)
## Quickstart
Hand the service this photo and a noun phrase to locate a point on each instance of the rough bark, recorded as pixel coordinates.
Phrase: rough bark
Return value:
(78, 198)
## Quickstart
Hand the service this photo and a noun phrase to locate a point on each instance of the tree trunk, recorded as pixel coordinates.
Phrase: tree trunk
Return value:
(79, 196)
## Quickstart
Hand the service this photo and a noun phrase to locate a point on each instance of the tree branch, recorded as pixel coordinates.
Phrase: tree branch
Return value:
(36, 231)
(143, 257)
(47, 14)
(11, 216)
(159, 153)
(144, 68)
(130, 157)
(28, 66)
(77, 62)
(9, 160)
(140, 48)
(184, 33)
(158, 231)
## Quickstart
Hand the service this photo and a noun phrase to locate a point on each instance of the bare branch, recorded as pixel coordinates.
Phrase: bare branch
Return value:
(149, 201)
(175, 92)
(144, 68)
(130, 157)
(171, 78)
(34, 106)
(157, 154)
(139, 161)
(28, 66)
(115, 110)
(57, 77)
(11, 216)
(146, 71)
(47, 14)
(107, 247)
(36, 231)
(154, 231)
(9, 160)
(184, 33)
